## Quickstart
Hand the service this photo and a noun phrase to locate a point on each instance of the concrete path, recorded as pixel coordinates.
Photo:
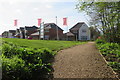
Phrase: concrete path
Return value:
(82, 61)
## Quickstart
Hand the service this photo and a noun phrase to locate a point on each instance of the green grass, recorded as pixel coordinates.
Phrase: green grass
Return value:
(50, 44)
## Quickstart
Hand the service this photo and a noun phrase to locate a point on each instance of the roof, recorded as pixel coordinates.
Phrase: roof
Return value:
(52, 25)
(36, 33)
(12, 31)
(77, 26)
(31, 27)
(21, 28)
(28, 28)
(70, 34)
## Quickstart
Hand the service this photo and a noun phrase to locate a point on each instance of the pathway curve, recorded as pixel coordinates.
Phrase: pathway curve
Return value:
(82, 61)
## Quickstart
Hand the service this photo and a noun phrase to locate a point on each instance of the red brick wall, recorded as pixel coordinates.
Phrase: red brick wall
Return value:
(53, 34)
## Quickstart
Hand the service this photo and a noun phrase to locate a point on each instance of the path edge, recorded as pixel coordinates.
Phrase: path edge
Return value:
(107, 64)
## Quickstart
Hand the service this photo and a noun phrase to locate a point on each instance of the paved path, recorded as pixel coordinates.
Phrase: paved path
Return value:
(83, 61)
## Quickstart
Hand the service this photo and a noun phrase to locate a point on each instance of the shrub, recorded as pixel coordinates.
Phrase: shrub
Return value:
(115, 65)
(21, 63)
(109, 48)
(111, 52)
(13, 68)
(100, 41)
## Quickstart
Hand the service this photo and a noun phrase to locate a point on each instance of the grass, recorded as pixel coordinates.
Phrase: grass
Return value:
(50, 44)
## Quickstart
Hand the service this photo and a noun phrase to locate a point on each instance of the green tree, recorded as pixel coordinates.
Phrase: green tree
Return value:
(95, 33)
(104, 15)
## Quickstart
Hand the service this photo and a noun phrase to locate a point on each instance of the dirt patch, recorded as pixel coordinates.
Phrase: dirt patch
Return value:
(83, 61)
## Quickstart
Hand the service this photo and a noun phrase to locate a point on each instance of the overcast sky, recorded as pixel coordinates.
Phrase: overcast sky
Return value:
(27, 13)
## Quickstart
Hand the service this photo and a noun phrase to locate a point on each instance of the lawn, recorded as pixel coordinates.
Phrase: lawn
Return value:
(50, 44)
(30, 59)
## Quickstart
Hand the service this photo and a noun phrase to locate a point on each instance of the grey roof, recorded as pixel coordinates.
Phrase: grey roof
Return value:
(12, 31)
(31, 27)
(77, 26)
(21, 28)
(28, 28)
(52, 25)
(70, 34)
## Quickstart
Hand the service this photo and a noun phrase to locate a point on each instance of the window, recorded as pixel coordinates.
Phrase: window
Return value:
(83, 37)
(46, 36)
(83, 30)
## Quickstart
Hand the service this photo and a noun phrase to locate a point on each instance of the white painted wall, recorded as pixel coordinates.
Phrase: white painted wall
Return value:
(87, 33)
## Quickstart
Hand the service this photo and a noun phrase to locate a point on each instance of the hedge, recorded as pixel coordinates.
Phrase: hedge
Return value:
(21, 63)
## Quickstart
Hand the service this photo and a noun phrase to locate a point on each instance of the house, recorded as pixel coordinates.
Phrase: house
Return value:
(30, 30)
(69, 36)
(35, 35)
(5, 34)
(20, 33)
(11, 33)
(49, 32)
(25, 32)
(81, 31)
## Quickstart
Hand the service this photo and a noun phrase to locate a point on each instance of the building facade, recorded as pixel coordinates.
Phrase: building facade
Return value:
(49, 32)
(81, 31)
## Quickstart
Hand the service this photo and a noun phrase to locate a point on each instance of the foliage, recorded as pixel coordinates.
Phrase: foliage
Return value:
(30, 59)
(111, 51)
(19, 63)
(95, 33)
(105, 16)
(115, 65)
(100, 41)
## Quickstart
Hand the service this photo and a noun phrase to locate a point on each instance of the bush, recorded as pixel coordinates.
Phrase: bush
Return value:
(114, 65)
(13, 68)
(100, 41)
(111, 52)
(109, 48)
(21, 63)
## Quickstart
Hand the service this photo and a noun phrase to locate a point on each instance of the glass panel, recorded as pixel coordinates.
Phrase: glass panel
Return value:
(83, 37)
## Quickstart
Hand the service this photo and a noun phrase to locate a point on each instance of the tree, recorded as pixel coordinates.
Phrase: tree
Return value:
(104, 15)
(95, 33)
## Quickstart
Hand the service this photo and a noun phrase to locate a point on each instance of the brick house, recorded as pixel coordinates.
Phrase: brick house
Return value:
(50, 32)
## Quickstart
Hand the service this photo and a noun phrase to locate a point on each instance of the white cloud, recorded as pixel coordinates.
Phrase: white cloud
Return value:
(48, 6)
(35, 9)
(18, 11)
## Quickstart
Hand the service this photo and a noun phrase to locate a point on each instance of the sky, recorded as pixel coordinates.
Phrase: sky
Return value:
(27, 13)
